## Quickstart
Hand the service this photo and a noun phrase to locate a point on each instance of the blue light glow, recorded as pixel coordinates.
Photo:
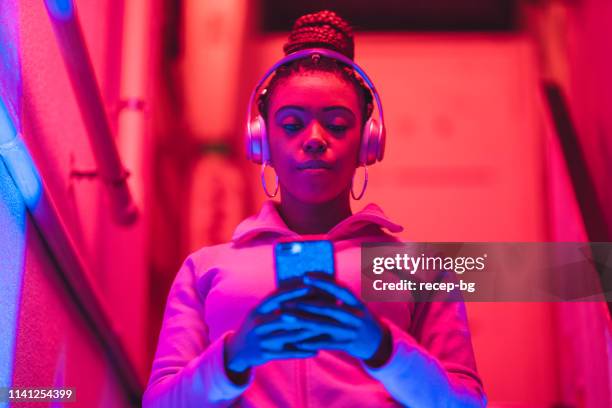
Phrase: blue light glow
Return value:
(18, 161)
(12, 255)
(21, 167)
(60, 9)
(12, 208)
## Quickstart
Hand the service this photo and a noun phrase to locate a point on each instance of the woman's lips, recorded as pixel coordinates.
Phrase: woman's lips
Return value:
(314, 165)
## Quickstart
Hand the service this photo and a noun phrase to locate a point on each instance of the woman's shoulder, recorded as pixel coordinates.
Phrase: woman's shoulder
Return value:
(228, 256)
(208, 253)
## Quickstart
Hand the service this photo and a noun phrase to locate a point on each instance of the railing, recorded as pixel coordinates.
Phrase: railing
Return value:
(82, 77)
(584, 186)
(595, 219)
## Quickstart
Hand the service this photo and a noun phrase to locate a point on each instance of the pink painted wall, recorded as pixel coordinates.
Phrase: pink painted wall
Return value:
(586, 329)
(53, 338)
(589, 54)
(54, 345)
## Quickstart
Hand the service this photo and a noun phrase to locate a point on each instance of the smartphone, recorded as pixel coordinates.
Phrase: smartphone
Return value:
(293, 259)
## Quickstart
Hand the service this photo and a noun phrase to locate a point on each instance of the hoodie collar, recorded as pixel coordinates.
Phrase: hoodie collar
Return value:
(269, 221)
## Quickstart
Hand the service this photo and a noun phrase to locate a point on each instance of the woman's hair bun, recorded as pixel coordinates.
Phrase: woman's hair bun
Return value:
(324, 29)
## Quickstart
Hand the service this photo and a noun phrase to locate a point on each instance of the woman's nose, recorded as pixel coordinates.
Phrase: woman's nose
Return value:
(316, 142)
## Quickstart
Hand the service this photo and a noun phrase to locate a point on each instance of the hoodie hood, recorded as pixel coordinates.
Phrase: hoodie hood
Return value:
(269, 222)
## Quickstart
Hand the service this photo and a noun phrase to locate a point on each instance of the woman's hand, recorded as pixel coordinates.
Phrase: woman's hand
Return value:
(264, 335)
(344, 322)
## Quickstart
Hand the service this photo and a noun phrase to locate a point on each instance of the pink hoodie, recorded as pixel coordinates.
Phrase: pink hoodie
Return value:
(432, 364)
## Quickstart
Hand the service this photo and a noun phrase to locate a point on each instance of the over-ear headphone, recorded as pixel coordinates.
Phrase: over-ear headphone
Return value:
(372, 136)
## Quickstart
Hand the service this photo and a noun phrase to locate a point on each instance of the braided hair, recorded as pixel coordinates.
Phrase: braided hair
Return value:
(324, 29)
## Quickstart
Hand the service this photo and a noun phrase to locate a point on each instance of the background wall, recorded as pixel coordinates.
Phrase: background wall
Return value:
(472, 156)
(55, 347)
(54, 133)
(55, 344)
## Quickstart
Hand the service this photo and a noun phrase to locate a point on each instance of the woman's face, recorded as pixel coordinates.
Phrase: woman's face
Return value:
(314, 127)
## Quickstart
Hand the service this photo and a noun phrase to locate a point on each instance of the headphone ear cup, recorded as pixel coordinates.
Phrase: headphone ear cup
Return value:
(257, 149)
(382, 141)
(372, 143)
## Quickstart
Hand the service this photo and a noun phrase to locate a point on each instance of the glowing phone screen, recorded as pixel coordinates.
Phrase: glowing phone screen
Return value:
(295, 258)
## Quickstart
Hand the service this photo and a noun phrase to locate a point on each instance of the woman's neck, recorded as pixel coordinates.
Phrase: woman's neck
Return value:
(314, 218)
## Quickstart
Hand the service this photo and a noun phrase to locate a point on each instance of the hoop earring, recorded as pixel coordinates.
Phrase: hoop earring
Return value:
(365, 183)
(263, 181)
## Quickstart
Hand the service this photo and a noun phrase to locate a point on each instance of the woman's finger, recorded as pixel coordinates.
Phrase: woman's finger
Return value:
(274, 301)
(285, 354)
(279, 323)
(324, 326)
(334, 289)
(278, 341)
(322, 344)
(333, 312)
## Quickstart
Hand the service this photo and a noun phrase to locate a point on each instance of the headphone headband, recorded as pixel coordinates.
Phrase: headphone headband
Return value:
(306, 53)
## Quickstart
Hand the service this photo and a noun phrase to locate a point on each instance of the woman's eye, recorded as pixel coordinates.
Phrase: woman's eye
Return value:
(337, 128)
(292, 127)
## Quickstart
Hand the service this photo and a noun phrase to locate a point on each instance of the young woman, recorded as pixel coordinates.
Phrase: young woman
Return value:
(231, 338)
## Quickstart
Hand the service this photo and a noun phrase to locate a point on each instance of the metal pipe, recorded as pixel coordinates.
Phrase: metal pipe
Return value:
(135, 70)
(69, 36)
